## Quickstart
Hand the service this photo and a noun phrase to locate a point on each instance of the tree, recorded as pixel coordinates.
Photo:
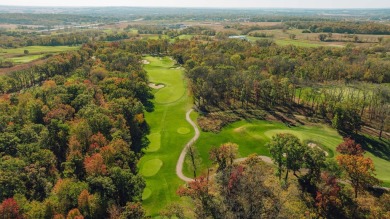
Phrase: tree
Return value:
(360, 171)
(287, 152)
(224, 155)
(94, 165)
(346, 119)
(133, 210)
(128, 187)
(314, 159)
(88, 204)
(322, 37)
(74, 214)
(192, 159)
(349, 147)
(9, 209)
(327, 197)
(198, 191)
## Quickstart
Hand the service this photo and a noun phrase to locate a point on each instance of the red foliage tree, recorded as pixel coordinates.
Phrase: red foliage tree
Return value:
(9, 209)
(328, 194)
(96, 142)
(350, 147)
(94, 165)
(74, 214)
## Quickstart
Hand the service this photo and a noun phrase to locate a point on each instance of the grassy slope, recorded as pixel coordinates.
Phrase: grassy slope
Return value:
(171, 104)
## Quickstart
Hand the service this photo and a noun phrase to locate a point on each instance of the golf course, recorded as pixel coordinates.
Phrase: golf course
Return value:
(170, 133)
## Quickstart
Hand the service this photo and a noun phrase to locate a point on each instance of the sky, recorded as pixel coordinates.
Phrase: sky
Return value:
(209, 3)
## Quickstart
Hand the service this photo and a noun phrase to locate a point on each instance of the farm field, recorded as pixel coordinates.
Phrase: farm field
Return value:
(168, 135)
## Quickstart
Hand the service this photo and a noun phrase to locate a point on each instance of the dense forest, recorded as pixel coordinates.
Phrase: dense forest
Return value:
(13, 39)
(237, 74)
(69, 145)
(342, 27)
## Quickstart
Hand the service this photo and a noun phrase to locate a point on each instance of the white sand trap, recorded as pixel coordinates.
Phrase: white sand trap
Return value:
(145, 62)
(312, 145)
(154, 86)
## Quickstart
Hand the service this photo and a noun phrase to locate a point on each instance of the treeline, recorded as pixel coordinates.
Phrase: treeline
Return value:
(69, 147)
(52, 19)
(238, 74)
(9, 39)
(342, 27)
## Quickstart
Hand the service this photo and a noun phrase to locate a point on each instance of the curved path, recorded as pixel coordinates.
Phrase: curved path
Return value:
(179, 165)
(180, 162)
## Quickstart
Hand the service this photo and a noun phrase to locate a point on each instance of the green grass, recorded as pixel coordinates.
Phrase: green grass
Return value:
(186, 36)
(171, 104)
(183, 130)
(161, 71)
(151, 167)
(38, 49)
(26, 59)
(302, 43)
(252, 137)
(35, 52)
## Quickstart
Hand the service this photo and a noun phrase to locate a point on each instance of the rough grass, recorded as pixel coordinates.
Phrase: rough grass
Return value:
(165, 120)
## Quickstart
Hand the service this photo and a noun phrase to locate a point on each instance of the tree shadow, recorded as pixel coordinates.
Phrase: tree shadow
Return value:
(379, 148)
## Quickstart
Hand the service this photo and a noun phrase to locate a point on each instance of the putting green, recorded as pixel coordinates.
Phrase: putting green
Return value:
(146, 194)
(160, 71)
(183, 130)
(155, 142)
(151, 167)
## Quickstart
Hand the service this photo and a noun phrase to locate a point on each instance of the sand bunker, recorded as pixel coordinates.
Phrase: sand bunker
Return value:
(312, 145)
(154, 86)
(145, 62)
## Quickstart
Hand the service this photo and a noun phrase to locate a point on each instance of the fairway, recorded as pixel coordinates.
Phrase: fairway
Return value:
(252, 137)
(34, 52)
(160, 70)
(169, 133)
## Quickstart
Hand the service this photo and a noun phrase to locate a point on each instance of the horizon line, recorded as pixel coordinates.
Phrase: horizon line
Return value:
(192, 7)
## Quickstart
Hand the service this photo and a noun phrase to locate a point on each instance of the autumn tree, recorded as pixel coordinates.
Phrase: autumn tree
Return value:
(9, 209)
(224, 155)
(133, 210)
(360, 171)
(350, 147)
(328, 200)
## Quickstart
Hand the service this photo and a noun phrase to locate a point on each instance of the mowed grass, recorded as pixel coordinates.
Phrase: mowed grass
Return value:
(252, 137)
(161, 70)
(38, 49)
(34, 52)
(166, 143)
(26, 59)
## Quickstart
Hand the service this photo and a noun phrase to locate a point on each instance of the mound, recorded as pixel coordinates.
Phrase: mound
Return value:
(151, 167)
(183, 130)
(146, 194)
(155, 142)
